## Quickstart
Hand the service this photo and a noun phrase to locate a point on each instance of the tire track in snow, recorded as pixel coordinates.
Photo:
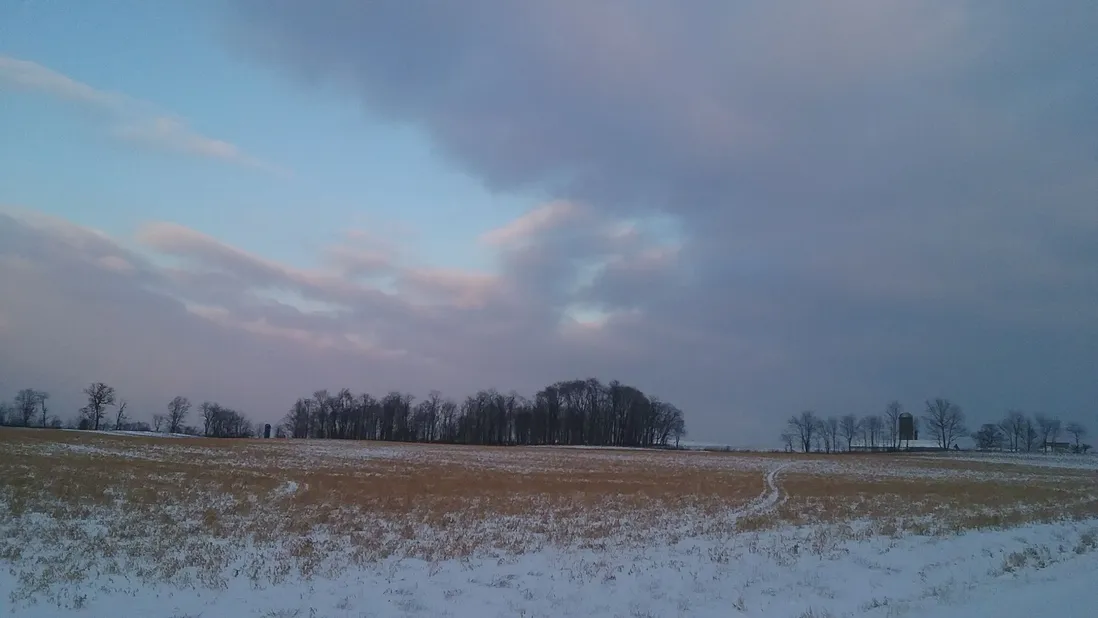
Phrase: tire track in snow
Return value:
(770, 498)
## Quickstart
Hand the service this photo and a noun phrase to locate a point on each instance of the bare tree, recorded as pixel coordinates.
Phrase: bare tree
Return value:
(946, 420)
(1013, 427)
(1078, 432)
(27, 402)
(42, 397)
(892, 427)
(849, 427)
(158, 422)
(1029, 435)
(209, 414)
(1049, 429)
(177, 413)
(803, 428)
(989, 437)
(787, 441)
(100, 397)
(818, 439)
(120, 416)
(830, 428)
(873, 427)
(677, 429)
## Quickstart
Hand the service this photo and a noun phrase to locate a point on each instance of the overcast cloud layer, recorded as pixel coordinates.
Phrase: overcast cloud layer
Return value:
(869, 200)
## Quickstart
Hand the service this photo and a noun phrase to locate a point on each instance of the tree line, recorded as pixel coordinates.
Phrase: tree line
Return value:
(1020, 432)
(105, 410)
(28, 409)
(574, 412)
(945, 422)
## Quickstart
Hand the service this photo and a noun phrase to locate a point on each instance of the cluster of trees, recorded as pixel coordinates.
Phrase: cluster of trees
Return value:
(28, 409)
(105, 410)
(807, 432)
(1019, 432)
(576, 412)
(221, 422)
(943, 419)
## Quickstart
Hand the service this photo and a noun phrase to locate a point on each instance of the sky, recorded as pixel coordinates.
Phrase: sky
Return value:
(746, 208)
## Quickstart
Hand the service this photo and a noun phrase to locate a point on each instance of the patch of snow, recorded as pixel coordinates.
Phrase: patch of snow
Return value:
(697, 445)
(288, 489)
(1063, 590)
(147, 434)
(1088, 461)
(140, 434)
(785, 573)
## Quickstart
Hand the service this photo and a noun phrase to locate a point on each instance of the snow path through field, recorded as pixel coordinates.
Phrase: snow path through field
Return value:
(768, 499)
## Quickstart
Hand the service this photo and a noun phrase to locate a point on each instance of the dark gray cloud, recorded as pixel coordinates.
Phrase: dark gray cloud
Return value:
(873, 200)
(878, 198)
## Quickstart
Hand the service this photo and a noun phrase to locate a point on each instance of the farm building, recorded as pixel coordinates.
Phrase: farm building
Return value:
(906, 445)
(1058, 447)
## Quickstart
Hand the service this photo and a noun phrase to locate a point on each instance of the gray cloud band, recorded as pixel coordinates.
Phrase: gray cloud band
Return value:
(871, 200)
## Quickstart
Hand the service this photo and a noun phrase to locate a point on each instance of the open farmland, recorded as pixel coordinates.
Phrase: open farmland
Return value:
(93, 523)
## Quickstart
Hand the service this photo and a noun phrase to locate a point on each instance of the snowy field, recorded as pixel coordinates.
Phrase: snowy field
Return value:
(109, 525)
(1051, 460)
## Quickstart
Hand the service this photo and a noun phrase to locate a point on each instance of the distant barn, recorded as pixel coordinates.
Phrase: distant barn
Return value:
(1058, 447)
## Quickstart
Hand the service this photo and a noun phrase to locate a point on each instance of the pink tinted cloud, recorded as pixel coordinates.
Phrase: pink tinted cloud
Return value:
(531, 224)
(132, 121)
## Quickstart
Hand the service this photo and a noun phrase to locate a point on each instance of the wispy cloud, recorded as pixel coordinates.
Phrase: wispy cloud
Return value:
(173, 134)
(133, 120)
(529, 225)
(31, 76)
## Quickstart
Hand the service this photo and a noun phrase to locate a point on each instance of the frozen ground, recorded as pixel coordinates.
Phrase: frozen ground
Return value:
(135, 434)
(788, 573)
(77, 554)
(1065, 589)
(1049, 460)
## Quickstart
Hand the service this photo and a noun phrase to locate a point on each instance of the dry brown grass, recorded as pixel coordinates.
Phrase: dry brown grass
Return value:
(962, 495)
(961, 503)
(196, 511)
(185, 509)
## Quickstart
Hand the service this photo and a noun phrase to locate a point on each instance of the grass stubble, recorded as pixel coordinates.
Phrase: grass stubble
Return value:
(194, 513)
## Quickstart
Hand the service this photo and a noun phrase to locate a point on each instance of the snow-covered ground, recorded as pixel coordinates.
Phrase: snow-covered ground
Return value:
(136, 434)
(702, 445)
(1088, 461)
(88, 567)
(1042, 570)
(1061, 589)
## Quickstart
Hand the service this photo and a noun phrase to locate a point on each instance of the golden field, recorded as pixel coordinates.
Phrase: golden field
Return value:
(195, 511)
